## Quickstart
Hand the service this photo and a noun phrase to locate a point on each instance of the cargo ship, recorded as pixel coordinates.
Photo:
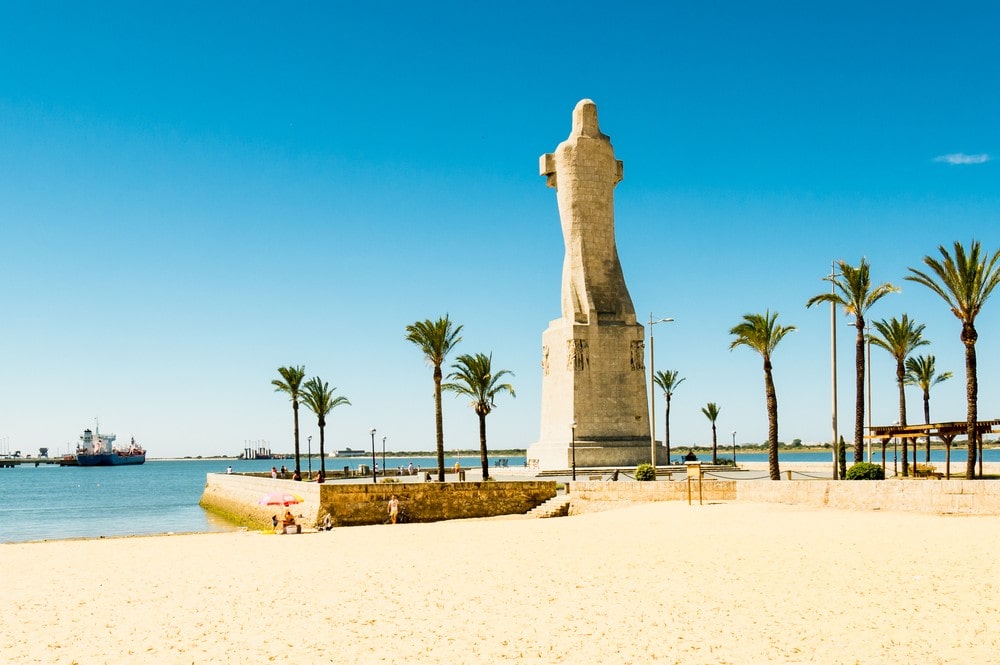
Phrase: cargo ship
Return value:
(96, 449)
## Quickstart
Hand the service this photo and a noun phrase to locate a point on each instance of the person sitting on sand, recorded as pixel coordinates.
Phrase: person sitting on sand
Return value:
(289, 519)
(320, 478)
(274, 522)
(393, 508)
(296, 475)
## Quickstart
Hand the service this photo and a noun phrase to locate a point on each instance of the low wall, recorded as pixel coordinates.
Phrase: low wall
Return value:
(351, 504)
(631, 491)
(967, 497)
(236, 497)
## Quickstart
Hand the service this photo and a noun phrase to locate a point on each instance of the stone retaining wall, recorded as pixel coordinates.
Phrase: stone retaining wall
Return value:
(967, 497)
(605, 491)
(350, 504)
(236, 497)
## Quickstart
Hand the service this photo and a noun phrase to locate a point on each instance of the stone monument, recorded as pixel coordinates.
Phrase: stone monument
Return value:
(593, 357)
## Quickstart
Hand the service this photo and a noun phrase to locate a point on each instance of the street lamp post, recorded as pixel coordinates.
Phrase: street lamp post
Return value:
(868, 376)
(833, 371)
(652, 392)
(383, 456)
(572, 426)
(373, 456)
(310, 454)
(734, 448)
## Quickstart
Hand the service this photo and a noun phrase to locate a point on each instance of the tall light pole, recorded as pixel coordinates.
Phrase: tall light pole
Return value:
(868, 371)
(652, 392)
(383, 456)
(734, 448)
(833, 362)
(310, 455)
(572, 426)
(373, 456)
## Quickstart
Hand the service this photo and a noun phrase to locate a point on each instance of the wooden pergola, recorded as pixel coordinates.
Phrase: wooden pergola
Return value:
(947, 432)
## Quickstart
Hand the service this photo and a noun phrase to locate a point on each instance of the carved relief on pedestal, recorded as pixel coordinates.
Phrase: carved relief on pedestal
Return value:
(577, 358)
(637, 356)
(545, 359)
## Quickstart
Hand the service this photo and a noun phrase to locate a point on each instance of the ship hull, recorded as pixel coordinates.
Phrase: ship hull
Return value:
(109, 459)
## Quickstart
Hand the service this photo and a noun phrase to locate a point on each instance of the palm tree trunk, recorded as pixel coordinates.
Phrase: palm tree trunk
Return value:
(900, 376)
(439, 422)
(772, 422)
(927, 421)
(971, 397)
(295, 411)
(322, 453)
(859, 392)
(483, 456)
(666, 436)
(715, 457)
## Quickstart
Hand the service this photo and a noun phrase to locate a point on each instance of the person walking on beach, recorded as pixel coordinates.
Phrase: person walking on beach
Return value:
(274, 473)
(393, 509)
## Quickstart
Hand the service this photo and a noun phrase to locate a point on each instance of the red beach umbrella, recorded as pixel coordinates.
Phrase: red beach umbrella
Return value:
(280, 499)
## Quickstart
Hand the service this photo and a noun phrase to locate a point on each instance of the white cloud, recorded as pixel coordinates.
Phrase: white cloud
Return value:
(962, 158)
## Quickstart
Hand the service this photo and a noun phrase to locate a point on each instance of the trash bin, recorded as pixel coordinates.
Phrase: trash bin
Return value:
(461, 476)
(347, 472)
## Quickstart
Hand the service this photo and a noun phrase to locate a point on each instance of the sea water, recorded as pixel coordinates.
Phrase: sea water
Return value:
(50, 502)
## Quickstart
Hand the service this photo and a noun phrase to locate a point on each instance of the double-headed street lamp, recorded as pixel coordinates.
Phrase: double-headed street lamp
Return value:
(373, 456)
(652, 392)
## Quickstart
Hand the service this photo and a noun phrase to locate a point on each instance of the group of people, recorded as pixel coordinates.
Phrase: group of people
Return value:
(275, 474)
(287, 520)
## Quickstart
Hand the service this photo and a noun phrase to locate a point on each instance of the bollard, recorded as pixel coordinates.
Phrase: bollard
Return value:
(789, 472)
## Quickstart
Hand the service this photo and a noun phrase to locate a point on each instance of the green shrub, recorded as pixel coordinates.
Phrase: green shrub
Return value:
(645, 472)
(865, 471)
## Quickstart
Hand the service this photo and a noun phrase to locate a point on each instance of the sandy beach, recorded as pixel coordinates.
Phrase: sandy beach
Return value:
(665, 582)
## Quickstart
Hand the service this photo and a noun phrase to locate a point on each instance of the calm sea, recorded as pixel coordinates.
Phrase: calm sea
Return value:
(51, 502)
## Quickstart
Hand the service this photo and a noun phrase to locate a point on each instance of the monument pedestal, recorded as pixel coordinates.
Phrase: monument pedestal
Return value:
(620, 453)
(593, 375)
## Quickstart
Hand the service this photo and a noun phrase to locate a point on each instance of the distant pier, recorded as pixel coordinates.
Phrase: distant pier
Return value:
(11, 462)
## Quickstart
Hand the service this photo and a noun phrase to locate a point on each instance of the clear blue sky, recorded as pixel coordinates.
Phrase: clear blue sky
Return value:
(194, 194)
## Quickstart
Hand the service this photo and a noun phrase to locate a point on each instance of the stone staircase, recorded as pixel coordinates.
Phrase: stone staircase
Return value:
(557, 506)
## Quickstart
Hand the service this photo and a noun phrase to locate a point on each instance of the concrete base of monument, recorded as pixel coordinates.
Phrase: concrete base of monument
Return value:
(605, 453)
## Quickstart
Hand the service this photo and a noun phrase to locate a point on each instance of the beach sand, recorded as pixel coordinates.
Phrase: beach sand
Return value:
(651, 583)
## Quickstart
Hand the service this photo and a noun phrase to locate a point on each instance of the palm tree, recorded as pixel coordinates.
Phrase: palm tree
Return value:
(711, 411)
(290, 383)
(920, 371)
(761, 333)
(964, 281)
(668, 382)
(436, 340)
(318, 397)
(854, 292)
(900, 337)
(475, 377)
